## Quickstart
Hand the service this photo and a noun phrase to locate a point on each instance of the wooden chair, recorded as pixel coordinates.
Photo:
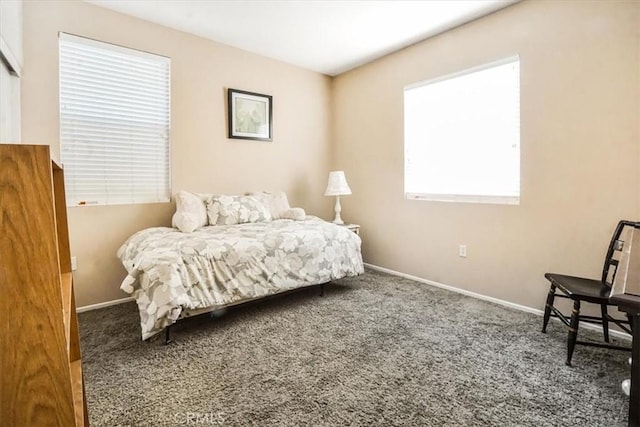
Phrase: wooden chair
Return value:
(592, 291)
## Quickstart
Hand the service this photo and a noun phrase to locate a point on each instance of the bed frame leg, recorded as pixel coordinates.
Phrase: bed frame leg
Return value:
(322, 289)
(167, 338)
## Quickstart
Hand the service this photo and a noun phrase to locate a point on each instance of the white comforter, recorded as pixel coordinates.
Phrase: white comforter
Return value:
(220, 265)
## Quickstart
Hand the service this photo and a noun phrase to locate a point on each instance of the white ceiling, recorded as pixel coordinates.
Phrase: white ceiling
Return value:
(329, 37)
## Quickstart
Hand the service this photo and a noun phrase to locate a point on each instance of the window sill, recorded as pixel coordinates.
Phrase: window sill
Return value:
(464, 198)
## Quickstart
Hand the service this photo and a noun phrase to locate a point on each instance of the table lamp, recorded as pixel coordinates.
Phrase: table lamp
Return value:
(337, 186)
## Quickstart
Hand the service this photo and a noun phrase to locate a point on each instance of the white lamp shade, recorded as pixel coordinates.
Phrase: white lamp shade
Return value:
(337, 185)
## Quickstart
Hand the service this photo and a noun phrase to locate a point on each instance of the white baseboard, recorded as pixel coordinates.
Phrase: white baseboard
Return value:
(103, 304)
(617, 334)
(515, 306)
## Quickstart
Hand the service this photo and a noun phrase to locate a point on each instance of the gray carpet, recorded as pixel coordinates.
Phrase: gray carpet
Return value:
(375, 350)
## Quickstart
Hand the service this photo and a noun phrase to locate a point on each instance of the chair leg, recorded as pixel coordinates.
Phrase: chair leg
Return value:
(605, 322)
(573, 331)
(547, 309)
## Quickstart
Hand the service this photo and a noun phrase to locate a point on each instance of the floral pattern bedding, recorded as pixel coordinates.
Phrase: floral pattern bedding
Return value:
(221, 265)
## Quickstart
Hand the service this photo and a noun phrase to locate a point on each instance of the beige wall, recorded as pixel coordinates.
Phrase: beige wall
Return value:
(580, 156)
(203, 159)
(580, 76)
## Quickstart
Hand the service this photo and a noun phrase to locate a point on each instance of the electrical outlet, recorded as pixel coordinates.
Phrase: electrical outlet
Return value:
(74, 263)
(463, 251)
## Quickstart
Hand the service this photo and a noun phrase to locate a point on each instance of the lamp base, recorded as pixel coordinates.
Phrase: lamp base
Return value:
(338, 220)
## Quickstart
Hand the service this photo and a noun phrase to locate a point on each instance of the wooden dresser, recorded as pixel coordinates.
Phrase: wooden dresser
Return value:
(41, 381)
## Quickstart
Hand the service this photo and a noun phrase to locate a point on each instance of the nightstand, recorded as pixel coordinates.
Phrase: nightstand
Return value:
(353, 227)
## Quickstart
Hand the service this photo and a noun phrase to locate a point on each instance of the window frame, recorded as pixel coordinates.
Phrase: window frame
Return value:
(456, 197)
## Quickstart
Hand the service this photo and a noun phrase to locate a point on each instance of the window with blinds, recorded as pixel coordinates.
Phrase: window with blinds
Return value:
(114, 123)
(462, 136)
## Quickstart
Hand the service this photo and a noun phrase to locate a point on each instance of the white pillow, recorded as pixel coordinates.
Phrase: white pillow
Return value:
(229, 210)
(296, 214)
(277, 203)
(191, 212)
(185, 222)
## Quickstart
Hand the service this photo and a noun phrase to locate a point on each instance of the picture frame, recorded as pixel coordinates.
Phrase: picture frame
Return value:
(250, 115)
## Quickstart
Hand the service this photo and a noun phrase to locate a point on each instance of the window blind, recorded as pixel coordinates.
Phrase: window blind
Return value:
(114, 123)
(462, 136)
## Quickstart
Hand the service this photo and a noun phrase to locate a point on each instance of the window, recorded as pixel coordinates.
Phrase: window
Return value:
(462, 136)
(114, 123)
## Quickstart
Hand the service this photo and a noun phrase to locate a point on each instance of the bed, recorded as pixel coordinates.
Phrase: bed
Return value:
(173, 274)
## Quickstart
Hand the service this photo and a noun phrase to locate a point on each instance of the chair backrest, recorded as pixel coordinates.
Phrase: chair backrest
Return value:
(612, 259)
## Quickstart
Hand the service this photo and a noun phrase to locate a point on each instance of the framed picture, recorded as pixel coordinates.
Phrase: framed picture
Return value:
(250, 115)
